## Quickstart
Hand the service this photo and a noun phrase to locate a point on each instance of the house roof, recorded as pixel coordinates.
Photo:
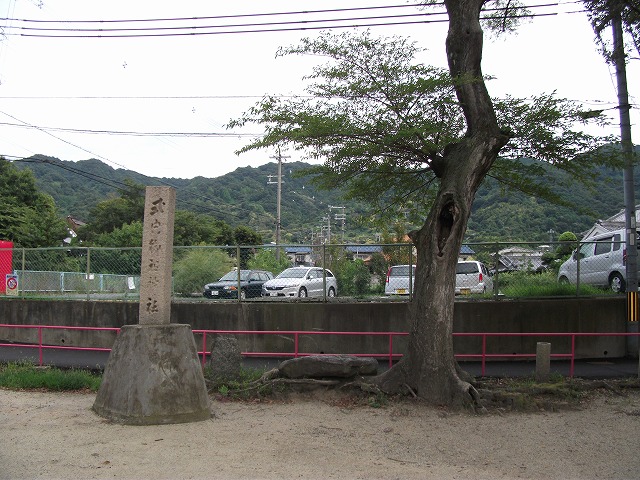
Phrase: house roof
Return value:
(364, 248)
(297, 249)
(615, 222)
(466, 250)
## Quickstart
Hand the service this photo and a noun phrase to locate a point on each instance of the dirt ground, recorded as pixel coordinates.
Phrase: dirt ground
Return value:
(56, 435)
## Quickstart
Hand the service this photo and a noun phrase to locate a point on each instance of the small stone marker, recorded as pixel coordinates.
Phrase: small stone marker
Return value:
(157, 256)
(543, 361)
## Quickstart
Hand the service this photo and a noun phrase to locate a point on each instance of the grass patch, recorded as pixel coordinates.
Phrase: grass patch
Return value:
(545, 284)
(27, 376)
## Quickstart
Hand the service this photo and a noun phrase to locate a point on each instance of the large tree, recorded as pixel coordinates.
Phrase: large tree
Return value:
(410, 136)
(28, 217)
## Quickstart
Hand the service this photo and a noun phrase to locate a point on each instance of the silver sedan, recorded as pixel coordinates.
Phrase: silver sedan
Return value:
(301, 282)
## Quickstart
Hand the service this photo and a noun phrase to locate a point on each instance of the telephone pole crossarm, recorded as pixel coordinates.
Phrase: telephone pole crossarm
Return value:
(279, 157)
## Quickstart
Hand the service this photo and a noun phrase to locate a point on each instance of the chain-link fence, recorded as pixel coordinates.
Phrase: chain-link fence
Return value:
(383, 272)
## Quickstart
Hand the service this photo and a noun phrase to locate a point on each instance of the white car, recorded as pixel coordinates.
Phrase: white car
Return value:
(398, 280)
(301, 282)
(472, 277)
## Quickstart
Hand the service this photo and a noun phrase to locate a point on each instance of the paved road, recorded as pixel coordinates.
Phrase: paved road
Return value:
(597, 368)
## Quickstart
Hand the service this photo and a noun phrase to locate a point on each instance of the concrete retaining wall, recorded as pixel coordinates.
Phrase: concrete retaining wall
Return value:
(516, 316)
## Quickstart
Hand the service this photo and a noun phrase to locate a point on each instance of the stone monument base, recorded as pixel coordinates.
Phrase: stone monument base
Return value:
(153, 377)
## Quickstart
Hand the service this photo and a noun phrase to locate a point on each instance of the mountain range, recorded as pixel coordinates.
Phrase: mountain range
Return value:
(247, 196)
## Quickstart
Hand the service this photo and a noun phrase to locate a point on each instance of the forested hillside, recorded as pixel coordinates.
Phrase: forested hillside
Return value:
(244, 197)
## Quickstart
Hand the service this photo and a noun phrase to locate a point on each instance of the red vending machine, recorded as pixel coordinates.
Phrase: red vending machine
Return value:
(6, 263)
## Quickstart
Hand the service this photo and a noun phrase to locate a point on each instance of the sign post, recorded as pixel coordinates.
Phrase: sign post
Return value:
(11, 285)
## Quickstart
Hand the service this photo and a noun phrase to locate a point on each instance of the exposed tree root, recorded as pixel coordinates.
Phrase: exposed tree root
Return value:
(464, 375)
(413, 394)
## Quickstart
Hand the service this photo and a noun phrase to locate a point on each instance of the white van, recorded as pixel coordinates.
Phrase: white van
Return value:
(471, 277)
(600, 261)
(398, 280)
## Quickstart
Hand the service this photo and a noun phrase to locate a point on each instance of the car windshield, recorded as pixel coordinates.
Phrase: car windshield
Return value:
(401, 271)
(467, 268)
(293, 273)
(233, 276)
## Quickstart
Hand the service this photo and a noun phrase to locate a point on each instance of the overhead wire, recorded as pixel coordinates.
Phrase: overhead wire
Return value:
(117, 184)
(237, 15)
(256, 27)
(134, 133)
(304, 25)
(107, 160)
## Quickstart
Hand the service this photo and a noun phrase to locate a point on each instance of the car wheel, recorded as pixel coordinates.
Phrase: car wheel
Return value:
(563, 280)
(616, 282)
(243, 294)
(302, 292)
(332, 292)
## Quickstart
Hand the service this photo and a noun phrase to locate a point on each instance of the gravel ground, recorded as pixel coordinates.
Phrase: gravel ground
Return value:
(57, 435)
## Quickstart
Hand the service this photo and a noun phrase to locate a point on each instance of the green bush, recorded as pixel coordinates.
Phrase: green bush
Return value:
(197, 267)
(265, 259)
(353, 277)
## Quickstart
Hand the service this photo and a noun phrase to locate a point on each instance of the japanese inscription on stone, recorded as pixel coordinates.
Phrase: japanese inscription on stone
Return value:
(157, 256)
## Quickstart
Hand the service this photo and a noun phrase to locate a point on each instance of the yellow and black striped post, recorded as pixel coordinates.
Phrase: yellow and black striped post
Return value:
(632, 306)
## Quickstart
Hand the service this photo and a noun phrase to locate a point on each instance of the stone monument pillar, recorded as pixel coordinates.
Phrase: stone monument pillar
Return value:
(153, 375)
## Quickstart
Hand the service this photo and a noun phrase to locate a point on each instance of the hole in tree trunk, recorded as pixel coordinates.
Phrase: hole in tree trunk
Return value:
(445, 224)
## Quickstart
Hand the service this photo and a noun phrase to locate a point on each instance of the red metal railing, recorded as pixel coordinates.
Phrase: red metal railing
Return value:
(41, 346)
(483, 356)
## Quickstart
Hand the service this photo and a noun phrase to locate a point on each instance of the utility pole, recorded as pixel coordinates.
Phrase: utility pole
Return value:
(629, 194)
(328, 227)
(279, 157)
(339, 217)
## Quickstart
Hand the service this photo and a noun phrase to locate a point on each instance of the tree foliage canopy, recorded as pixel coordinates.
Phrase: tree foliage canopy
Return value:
(382, 122)
(28, 217)
(601, 13)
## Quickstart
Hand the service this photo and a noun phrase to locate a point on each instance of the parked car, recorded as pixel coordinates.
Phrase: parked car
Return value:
(250, 284)
(601, 262)
(301, 282)
(472, 277)
(397, 282)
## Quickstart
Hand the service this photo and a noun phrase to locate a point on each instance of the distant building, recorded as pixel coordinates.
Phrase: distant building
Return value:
(466, 253)
(73, 224)
(520, 258)
(363, 252)
(616, 222)
(299, 255)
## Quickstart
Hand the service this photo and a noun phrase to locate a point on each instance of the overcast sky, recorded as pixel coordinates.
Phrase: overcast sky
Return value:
(197, 83)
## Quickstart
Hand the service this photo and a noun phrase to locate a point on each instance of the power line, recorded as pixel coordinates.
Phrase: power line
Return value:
(145, 97)
(116, 184)
(217, 17)
(256, 27)
(134, 133)
(101, 31)
(109, 161)
(61, 139)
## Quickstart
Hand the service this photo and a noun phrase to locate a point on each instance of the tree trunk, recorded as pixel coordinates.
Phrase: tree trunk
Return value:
(429, 367)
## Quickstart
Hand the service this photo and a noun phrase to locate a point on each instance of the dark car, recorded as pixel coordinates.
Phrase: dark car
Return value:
(227, 287)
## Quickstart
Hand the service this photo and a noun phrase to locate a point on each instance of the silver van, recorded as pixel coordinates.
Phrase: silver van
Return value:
(398, 280)
(600, 261)
(472, 277)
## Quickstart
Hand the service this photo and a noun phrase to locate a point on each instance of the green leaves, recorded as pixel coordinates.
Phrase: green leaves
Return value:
(381, 122)
(29, 217)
